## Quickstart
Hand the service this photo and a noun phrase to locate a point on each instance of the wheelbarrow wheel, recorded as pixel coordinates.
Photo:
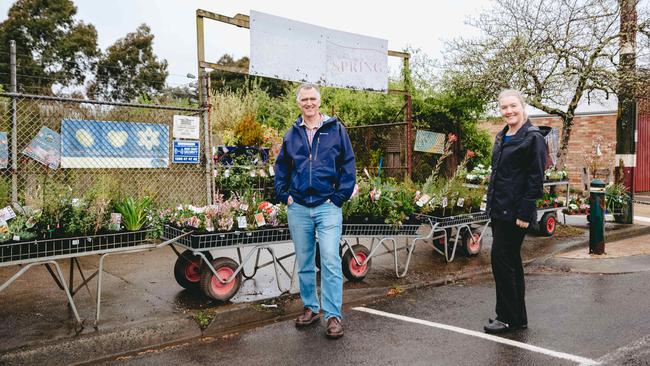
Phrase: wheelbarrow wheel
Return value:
(187, 270)
(472, 243)
(212, 287)
(548, 224)
(352, 270)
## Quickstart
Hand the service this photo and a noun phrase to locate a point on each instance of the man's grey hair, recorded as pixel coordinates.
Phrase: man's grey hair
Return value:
(306, 86)
(517, 94)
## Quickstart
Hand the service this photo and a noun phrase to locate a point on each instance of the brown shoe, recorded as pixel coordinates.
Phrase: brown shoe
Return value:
(334, 328)
(306, 318)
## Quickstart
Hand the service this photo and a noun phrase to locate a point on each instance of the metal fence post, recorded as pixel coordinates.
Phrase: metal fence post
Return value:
(14, 123)
(205, 104)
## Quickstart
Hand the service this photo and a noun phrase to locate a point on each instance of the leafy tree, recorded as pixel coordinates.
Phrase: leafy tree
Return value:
(228, 80)
(129, 69)
(51, 46)
(557, 52)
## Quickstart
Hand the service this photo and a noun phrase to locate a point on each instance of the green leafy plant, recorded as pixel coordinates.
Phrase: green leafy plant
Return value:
(134, 212)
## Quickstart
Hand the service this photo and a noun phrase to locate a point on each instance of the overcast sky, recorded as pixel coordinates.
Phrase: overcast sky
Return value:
(424, 25)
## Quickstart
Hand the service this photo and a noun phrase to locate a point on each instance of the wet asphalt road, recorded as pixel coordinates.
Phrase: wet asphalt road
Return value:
(573, 318)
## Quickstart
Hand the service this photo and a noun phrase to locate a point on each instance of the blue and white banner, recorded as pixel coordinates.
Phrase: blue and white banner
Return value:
(100, 144)
(4, 151)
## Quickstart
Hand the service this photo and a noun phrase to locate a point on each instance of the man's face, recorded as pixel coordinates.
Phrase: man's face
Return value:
(309, 103)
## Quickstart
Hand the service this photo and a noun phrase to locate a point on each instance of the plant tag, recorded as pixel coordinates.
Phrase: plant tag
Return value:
(4, 228)
(262, 173)
(116, 221)
(208, 225)
(226, 173)
(461, 202)
(444, 202)
(7, 214)
(271, 171)
(241, 222)
(225, 149)
(75, 242)
(259, 219)
(243, 207)
(252, 173)
(485, 197)
(16, 238)
(215, 173)
(483, 206)
(423, 200)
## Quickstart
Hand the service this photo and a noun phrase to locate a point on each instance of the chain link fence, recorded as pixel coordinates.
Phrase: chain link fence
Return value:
(78, 144)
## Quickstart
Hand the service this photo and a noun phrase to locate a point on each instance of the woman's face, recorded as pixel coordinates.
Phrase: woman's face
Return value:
(511, 110)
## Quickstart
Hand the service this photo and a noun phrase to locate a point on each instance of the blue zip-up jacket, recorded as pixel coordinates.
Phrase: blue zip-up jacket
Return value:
(313, 174)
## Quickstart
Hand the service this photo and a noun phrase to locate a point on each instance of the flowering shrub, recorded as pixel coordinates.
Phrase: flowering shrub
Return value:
(479, 175)
(553, 174)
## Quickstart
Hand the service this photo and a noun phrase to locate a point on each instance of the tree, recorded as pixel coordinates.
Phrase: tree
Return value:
(129, 69)
(557, 52)
(51, 46)
(228, 80)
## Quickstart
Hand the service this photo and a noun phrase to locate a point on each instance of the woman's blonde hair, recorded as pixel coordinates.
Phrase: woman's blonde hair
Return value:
(517, 94)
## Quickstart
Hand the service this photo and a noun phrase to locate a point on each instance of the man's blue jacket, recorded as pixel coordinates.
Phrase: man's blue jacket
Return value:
(312, 174)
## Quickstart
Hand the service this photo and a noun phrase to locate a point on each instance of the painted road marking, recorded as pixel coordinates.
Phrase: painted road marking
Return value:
(642, 218)
(578, 359)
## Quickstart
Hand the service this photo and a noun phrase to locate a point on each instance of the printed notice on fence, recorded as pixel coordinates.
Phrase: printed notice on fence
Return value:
(431, 142)
(286, 49)
(45, 148)
(186, 127)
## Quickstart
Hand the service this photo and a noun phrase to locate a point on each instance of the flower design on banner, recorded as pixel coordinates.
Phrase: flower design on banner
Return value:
(148, 138)
(84, 137)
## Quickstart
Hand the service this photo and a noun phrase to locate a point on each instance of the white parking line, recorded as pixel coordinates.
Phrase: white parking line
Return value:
(642, 218)
(566, 356)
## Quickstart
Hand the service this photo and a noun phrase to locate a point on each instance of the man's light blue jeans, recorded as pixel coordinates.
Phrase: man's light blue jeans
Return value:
(326, 221)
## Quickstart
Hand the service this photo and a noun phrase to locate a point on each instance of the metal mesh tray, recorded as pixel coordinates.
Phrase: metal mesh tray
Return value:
(449, 221)
(46, 248)
(380, 230)
(233, 238)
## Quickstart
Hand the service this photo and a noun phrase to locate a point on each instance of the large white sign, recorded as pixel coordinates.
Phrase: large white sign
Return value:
(290, 50)
(186, 127)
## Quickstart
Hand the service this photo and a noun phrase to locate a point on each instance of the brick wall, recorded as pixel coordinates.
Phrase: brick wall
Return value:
(585, 129)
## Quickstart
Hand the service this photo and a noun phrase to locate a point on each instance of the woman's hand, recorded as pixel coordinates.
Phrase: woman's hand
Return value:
(289, 201)
(521, 224)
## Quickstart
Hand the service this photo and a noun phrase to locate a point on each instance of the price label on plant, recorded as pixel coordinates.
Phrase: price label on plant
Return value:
(271, 171)
(7, 214)
(259, 219)
(483, 206)
(461, 202)
(243, 207)
(444, 202)
(226, 173)
(423, 200)
(215, 173)
(116, 221)
(241, 222)
(262, 173)
(252, 173)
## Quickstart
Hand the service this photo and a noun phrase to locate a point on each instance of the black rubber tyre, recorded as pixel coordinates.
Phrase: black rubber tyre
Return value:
(187, 270)
(548, 224)
(472, 243)
(353, 271)
(212, 287)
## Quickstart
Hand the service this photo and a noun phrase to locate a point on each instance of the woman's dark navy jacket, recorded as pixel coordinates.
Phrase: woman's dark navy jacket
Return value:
(313, 174)
(517, 174)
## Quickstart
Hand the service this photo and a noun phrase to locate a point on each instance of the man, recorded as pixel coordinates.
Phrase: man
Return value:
(315, 175)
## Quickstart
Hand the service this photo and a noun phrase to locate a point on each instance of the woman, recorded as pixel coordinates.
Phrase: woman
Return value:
(516, 182)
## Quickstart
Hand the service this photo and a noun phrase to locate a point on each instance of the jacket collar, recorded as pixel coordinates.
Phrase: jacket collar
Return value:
(519, 132)
(326, 120)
